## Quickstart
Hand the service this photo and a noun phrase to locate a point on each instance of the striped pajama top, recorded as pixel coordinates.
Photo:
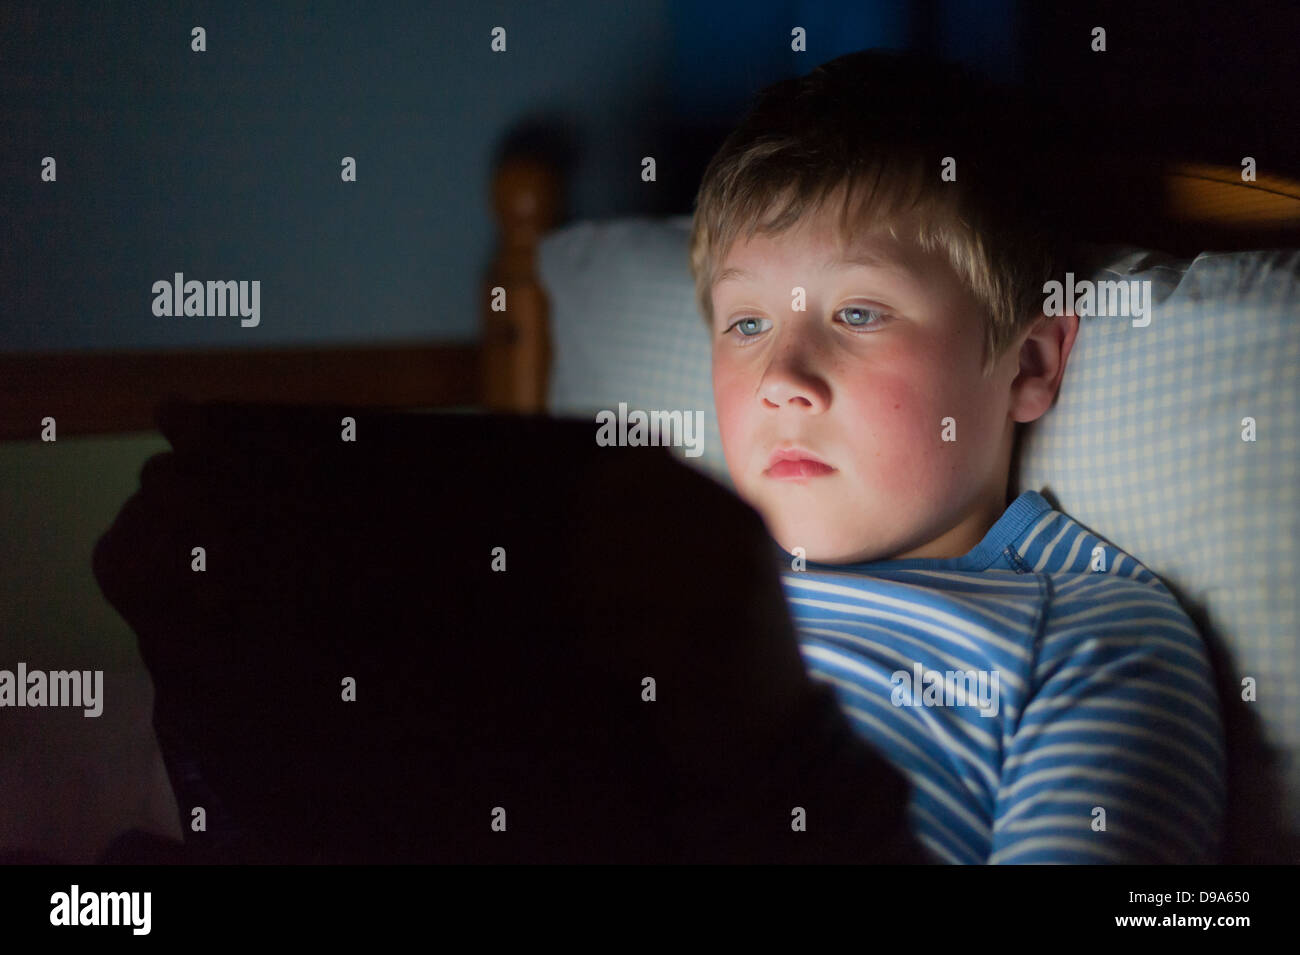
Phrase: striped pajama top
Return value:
(1045, 695)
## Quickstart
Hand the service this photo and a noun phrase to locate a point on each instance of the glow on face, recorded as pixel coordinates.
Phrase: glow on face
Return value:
(888, 346)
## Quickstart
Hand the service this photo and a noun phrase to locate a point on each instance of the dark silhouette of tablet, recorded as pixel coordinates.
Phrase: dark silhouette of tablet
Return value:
(475, 638)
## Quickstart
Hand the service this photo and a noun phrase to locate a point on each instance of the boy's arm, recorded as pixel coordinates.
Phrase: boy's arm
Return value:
(1118, 756)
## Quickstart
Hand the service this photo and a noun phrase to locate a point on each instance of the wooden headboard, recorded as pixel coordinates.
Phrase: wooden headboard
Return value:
(107, 392)
(1183, 208)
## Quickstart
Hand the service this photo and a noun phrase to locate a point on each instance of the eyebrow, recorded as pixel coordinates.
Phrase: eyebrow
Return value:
(861, 258)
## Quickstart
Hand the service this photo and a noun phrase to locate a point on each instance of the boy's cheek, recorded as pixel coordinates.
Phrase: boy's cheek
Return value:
(902, 452)
(893, 418)
(730, 407)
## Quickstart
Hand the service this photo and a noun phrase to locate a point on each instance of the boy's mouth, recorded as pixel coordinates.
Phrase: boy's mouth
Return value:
(793, 464)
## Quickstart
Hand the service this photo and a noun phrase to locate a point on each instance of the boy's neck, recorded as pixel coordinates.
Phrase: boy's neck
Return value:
(966, 535)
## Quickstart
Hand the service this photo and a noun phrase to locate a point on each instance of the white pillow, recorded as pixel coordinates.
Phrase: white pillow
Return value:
(625, 328)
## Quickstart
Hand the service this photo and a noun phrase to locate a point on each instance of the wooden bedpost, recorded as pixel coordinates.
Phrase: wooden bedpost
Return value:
(516, 348)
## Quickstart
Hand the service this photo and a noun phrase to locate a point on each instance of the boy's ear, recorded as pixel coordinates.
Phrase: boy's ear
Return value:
(1043, 352)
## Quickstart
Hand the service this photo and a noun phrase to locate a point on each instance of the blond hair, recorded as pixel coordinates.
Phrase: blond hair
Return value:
(871, 131)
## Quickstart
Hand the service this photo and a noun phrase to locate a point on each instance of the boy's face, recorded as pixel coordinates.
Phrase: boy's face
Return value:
(862, 380)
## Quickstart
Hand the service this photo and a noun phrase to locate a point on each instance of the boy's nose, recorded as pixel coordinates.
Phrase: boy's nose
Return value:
(793, 387)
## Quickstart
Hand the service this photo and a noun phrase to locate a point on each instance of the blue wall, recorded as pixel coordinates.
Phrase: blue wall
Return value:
(727, 51)
(225, 164)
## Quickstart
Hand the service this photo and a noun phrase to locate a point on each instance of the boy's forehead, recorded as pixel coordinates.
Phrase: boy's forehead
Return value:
(820, 243)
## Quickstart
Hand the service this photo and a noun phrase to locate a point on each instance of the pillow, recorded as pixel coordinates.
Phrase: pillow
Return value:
(625, 328)
(1144, 442)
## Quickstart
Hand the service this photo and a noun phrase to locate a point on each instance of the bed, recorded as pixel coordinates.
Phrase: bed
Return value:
(69, 786)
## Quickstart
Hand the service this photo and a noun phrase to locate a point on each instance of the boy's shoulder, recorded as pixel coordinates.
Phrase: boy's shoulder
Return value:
(1083, 572)
(1052, 542)
(1030, 538)
(1101, 603)
(1038, 574)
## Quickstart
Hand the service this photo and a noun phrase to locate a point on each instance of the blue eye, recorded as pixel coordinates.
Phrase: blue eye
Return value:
(863, 311)
(860, 316)
(748, 327)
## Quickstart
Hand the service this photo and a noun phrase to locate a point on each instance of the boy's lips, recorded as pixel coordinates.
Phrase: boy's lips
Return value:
(794, 463)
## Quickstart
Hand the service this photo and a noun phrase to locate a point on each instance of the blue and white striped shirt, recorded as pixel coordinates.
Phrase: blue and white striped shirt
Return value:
(1045, 694)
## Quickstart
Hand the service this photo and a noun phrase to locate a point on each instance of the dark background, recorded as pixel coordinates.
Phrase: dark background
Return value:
(225, 164)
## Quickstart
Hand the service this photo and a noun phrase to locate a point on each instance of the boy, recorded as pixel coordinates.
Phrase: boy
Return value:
(869, 253)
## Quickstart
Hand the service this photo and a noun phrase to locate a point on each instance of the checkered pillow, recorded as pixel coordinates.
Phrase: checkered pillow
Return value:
(625, 328)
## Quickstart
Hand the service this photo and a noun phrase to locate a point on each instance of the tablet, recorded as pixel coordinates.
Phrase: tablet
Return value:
(431, 637)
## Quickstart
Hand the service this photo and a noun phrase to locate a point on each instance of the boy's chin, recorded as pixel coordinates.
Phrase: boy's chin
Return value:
(824, 540)
(821, 547)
